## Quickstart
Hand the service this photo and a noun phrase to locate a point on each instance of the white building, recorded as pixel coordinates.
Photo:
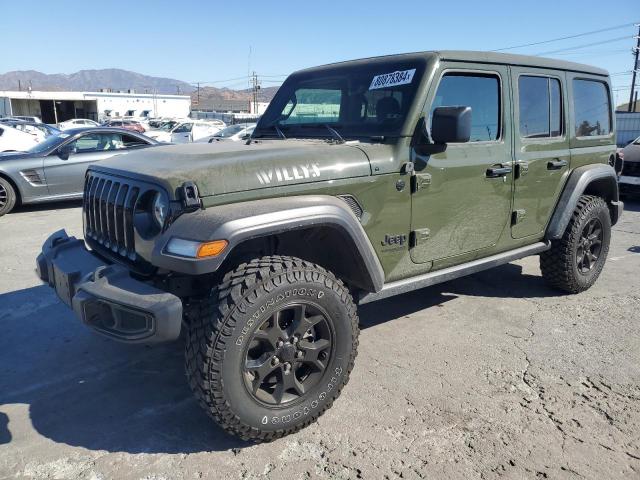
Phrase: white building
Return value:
(55, 107)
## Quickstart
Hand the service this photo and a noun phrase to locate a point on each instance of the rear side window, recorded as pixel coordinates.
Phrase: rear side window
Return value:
(540, 107)
(592, 108)
(481, 93)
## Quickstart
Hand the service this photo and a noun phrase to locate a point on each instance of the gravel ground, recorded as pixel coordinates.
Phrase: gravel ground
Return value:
(491, 376)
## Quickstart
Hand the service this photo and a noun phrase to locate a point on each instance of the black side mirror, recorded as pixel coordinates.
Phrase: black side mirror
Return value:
(65, 151)
(451, 125)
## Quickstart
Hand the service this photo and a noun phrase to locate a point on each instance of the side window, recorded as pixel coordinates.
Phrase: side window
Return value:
(591, 107)
(478, 91)
(540, 103)
(97, 142)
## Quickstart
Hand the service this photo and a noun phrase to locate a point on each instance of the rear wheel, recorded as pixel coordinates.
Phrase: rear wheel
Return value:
(7, 197)
(270, 350)
(575, 261)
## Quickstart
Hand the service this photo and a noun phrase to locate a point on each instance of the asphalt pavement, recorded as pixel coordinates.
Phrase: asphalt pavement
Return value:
(489, 376)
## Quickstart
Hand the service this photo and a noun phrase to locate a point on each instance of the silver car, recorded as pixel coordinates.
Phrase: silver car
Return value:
(54, 169)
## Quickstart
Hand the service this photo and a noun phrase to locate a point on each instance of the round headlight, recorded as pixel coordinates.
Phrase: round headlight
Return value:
(160, 208)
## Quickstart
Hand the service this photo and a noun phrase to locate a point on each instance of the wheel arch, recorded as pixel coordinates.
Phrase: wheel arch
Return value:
(317, 228)
(15, 186)
(599, 180)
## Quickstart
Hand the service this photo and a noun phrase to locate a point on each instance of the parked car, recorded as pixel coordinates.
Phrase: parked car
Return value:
(28, 118)
(126, 124)
(235, 133)
(55, 169)
(186, 132)
(364, 180)
(77, 123)
(40, 130)
(629, 179)
(13, 140)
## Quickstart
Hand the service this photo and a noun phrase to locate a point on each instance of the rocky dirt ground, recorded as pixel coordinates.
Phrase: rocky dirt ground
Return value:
(491, 376)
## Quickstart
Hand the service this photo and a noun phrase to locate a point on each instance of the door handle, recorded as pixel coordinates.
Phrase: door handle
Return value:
(556, 164)
(498, 171)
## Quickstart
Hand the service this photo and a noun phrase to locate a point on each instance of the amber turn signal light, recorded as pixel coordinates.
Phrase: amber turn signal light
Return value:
(211, 249)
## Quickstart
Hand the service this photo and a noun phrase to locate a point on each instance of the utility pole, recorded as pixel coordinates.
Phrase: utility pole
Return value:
(19, 86)
(635, 70)
(256, 87)
(198, 102)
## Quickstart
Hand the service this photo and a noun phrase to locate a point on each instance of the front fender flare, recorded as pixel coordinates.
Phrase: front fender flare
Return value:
(239, 222)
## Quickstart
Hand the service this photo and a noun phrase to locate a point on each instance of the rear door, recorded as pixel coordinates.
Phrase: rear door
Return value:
(541, 147)
(462, 197)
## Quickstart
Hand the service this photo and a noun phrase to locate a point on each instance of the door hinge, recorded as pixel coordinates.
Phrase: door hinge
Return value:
(418, 237)
(517, 216)
(420, 181)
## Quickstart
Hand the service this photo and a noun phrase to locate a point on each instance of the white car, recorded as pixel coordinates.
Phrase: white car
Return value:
(235, 133)
(12, 140)
(77, 123)
(184, 132)
(28, 118)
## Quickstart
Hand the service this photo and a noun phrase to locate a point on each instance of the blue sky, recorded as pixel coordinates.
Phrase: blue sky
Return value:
(210, 41)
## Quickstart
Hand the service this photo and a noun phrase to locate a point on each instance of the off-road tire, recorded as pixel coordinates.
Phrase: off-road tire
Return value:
(559, 264)
(8, 197)
(221, 326)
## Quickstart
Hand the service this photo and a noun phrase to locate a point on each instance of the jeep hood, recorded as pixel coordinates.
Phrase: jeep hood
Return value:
(226, 167)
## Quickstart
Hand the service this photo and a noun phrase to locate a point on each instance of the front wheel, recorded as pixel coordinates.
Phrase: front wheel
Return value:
(574, 262)
(7, 197)
(270, 350)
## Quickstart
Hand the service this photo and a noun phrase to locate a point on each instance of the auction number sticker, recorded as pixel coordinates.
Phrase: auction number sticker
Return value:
(385, 80)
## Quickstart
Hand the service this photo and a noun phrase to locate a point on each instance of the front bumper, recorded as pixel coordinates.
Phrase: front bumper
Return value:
(105, 296)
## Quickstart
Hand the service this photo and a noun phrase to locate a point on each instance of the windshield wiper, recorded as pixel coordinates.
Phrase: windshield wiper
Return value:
(335, 133)
(276, 128)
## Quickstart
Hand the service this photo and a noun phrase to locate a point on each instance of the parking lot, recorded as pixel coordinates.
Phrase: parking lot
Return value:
(489, 376)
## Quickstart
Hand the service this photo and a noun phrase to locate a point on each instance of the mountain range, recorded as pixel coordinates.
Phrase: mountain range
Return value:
(123, 80)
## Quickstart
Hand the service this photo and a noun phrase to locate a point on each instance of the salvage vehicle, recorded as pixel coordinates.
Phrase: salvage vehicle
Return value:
(630, 177)
(54, 169)
(40, 130)
(186, 132)
(362, 180)
(77, 123)
(13, 140)
(235, 133)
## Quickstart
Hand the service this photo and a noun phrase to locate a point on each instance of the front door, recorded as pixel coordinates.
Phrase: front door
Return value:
(541, 147)
(182, 134)
(462, 196)
(66, 177)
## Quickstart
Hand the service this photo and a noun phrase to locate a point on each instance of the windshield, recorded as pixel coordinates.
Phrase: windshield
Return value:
(355, 100)
(51, 142)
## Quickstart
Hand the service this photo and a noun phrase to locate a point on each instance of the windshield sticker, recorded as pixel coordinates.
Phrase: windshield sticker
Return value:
(392, 79)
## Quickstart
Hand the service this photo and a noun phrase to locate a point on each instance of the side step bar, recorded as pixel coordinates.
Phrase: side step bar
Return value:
(451, 273)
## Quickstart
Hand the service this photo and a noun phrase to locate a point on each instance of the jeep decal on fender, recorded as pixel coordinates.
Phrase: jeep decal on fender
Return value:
(286, 174)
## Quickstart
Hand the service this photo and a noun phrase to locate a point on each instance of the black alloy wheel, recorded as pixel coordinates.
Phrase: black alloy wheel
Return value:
(589, 246)
(288, 354)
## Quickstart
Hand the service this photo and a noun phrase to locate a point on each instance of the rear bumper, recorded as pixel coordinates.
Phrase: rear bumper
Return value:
(105, 297)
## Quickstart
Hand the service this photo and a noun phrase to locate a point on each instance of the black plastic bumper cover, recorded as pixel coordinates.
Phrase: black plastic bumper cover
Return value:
(105, 297)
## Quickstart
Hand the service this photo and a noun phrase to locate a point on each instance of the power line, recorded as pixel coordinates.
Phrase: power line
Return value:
(575, 47)
(584, 34)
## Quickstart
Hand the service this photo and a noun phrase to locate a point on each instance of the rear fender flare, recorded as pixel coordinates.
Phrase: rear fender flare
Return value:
(598, 179)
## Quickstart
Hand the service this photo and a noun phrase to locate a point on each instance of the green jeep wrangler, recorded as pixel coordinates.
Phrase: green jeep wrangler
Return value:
(363, 179)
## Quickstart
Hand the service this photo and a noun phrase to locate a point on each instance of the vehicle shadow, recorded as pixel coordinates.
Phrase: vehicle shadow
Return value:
(5, 434)
(631, 204)
(88, 391)
(39, 207)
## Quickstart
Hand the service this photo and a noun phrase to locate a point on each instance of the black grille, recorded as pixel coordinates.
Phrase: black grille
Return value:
(631, 169)
(109, 206)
